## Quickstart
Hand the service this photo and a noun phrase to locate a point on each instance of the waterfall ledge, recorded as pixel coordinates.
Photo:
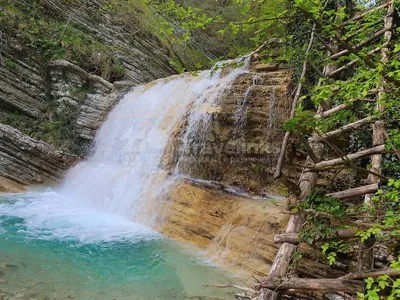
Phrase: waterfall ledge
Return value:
(235, 231)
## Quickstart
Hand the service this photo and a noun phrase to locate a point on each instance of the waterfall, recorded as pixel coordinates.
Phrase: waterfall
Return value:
(241, 113)
(125, 169)
(272, 109)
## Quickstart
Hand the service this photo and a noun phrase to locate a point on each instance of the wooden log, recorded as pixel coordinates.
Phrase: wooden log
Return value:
(296, 97)
(308, 148)
(362, 15)
(349, 64)
(331, 111)
(362, 29)
(307, 182)
(342, 106)
(316, 68)
(326, 45)
(287, 250)
(359, 191)
(373, 274)
(293, 238)
(299, 294)
(357, 47)
(341, 285)
(337, 132)
(325, 165)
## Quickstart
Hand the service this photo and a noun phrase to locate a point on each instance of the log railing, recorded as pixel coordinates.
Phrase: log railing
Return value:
(277, 283)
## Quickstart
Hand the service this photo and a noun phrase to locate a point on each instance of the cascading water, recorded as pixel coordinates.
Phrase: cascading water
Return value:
(125, 171)
(199, 119)
(241, 113)
(103, 200)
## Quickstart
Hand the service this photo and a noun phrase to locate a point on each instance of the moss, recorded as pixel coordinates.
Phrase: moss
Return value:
(56, 127)
(9, 63)
(80, 92)
(54, 39)
(18, 120)
(60, 129)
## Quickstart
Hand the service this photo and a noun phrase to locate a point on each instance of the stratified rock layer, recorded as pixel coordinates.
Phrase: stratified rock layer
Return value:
(235, 231)
(244, 136)
(91, 96)
(28, 161)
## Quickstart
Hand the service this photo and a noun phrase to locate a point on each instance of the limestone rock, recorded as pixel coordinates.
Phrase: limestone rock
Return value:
(9, 186)
(225, 226)
(93, 96)
(28, 161)
(235, 231)
(245, 133)
(22, 84)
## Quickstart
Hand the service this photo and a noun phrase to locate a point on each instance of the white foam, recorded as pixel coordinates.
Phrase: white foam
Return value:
(51, 215)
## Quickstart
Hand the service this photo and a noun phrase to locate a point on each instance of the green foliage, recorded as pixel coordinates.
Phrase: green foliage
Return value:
(353, 88)
(318, 225)
(177, 65)
(55, 39)
(295, 261)
(303, 123)
(332, 248)
(386, 200)
(188, 20)
(9, 63)
(57, 127)
(383, 286)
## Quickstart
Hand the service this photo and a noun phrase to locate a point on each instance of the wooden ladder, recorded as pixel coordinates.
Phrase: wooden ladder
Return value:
(276, 282)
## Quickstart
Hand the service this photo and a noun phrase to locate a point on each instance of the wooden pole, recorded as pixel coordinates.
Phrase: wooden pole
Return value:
(342, 285)
(285, 141)
(355, 192)
(293, 238)
(345, 128)
(324, 165)
(365, 259)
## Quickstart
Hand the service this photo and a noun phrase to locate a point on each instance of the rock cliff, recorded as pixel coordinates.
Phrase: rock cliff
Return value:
(234, 231)
(28, 161)
(64, 65)
(90, 96)
(244, 135)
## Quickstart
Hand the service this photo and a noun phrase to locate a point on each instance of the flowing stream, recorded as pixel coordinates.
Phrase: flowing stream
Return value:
(89, 238)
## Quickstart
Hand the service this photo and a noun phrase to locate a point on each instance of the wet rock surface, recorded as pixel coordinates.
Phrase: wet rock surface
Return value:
(225, 226)
(35, 88)
(244, 135)
(235, 231)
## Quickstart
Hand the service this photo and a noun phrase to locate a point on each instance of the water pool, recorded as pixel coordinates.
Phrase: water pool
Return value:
(51, 248)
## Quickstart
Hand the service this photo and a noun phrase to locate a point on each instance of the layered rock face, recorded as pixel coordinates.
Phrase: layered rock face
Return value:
(90, 96)
(224, 225)
(141, 53)
(76, 94)
(235, 231)
(22, 82)
(29, 83)
(60, 102)
(244, 135)
(28, 161)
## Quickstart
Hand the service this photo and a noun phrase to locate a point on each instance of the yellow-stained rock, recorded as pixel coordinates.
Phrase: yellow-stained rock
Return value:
(9, 186)
(236, 232)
